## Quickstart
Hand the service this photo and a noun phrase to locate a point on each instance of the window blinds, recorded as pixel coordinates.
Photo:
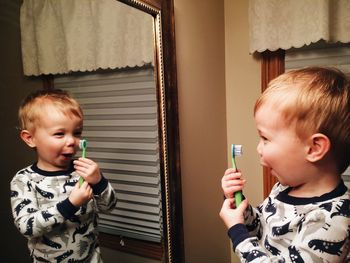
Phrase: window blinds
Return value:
(121, 126)
(336, 55)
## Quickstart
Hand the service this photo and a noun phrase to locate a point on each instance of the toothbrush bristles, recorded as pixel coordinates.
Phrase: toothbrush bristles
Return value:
(237, 150)
(82, 144)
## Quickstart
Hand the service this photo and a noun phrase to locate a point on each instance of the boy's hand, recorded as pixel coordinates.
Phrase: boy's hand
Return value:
(230, 215)
(231, 182)
(80, 195)
(88, 169)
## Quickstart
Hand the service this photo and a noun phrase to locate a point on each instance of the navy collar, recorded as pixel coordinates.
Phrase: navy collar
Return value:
(286, 198)
(36, 169)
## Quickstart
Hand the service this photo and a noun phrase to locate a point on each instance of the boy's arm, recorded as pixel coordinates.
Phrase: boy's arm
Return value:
(30, 220)
(103, 191)
(104, 194)
(319, 236)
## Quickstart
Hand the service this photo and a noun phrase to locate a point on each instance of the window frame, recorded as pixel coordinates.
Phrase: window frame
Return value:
(272, 65)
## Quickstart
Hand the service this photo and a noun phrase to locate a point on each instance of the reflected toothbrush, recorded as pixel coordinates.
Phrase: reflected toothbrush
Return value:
(236, 150)
(82, 146)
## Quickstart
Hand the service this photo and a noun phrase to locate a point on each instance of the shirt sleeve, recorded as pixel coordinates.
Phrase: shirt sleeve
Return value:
(28, 218)
(104, 195)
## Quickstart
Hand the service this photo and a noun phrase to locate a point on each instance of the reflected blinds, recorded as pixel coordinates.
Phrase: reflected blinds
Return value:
(121, 126)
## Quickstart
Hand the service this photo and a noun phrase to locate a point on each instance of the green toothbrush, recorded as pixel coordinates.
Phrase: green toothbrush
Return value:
(82, 146)
(236, 150)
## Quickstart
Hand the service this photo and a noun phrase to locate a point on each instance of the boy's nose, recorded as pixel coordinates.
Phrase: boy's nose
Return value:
(258, 148)
(70, 140)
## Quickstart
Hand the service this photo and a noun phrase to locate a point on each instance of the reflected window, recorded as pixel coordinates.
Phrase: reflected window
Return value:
(121, 127)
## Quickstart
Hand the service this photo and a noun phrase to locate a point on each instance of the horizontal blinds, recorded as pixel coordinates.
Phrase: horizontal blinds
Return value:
(121, 126)
(333, 56)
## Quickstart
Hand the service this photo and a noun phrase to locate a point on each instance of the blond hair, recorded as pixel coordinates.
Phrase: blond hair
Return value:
(32, 106)
(316, 100)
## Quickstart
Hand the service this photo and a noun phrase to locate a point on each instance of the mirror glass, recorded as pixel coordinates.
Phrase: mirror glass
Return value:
(128, 113)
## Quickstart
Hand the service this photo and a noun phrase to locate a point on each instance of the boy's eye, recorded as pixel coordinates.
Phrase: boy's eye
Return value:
(59, 134)
(264, 139)
(78, 133)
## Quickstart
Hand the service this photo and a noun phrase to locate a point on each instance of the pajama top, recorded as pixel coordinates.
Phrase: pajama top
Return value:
(291, 229)
(56, 230)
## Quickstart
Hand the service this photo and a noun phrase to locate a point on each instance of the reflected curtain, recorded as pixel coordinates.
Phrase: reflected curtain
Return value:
(61, 36)
(277, 24)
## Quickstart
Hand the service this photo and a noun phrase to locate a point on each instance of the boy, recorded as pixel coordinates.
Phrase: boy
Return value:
(56, 215)
(303, 120)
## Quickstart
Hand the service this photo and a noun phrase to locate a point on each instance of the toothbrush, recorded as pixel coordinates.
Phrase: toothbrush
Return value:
(82, 146)
(236, 150)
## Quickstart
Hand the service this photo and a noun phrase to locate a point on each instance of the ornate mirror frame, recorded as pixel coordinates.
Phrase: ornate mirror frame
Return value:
(165, 65)
(172, 247)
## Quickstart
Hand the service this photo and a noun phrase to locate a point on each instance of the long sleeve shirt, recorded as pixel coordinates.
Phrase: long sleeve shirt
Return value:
(291, 229)
(56, 230)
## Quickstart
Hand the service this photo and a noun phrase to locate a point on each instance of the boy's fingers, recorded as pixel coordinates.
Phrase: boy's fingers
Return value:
(228, 203)
(243, 205)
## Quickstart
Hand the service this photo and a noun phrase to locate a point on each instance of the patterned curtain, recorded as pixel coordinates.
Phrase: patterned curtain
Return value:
(282, 24)
(61, 36)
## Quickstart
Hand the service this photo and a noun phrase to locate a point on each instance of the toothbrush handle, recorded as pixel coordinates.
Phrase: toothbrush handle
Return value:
(238, 198)
(81, 179)
(238, 194)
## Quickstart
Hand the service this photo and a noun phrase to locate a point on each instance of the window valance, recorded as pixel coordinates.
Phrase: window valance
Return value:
(60, 36)
(276, 24)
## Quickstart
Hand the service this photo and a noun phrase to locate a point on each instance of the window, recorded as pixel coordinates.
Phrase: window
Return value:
(121, 127)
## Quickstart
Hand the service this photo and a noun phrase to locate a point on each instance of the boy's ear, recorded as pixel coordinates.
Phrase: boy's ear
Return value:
(27, 137)
(319, 146)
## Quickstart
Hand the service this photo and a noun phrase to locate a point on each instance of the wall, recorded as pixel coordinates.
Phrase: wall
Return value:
(15, 154)
(218, 82)
(200, 50)
(242, 89)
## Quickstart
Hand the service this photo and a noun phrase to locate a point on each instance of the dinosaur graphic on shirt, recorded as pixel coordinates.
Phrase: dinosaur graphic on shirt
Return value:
(274, 251)
(80, 230)
(65, 255)
(43, 193)
(29, 227)
(343, 209)
(46, 215)
(68, 183)
(281, 230)
(270, 208)
(325, 246)
(294, 255)
(252, 255)
(51, 243)
(21, 205)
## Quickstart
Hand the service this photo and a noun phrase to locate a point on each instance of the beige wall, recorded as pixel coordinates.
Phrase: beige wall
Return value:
(218, 82)
(199, 31)
(242, 89)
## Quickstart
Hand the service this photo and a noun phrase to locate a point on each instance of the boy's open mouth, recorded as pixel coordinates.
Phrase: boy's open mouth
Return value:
(68, 155)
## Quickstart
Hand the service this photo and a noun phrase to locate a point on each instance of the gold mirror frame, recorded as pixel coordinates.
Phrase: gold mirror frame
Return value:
(165, 65)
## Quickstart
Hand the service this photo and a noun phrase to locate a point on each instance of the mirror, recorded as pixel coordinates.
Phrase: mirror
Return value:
(171, 242)
(165, 72)
(166, 86)
(171, 249)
